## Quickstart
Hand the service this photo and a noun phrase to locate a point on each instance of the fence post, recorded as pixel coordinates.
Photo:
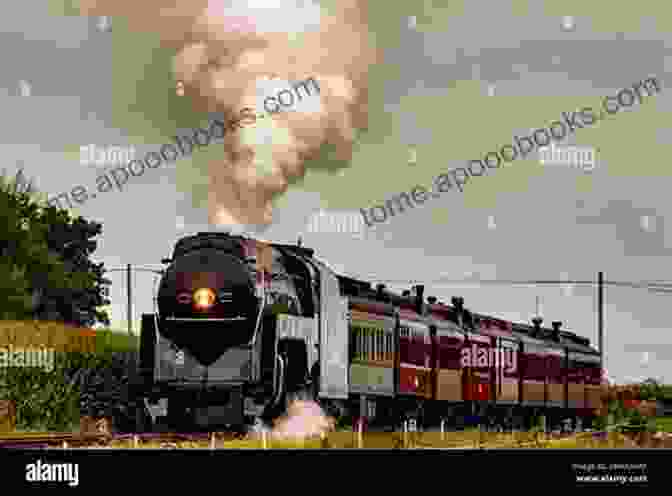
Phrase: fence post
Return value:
(7, 416)
(360, 433)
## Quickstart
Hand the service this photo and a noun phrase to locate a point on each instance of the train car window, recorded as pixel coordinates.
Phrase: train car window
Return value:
(381, 345)
(576, 368)
(450, 354)
(510, 348)
(360, 343)
(381, 341)
(367, 343)
(542, 368)
(554, 368)
(366, 334)
(538, 372)
(531, 370)
(374, 344)
(374, 341)
(593, 373)
(417, 348)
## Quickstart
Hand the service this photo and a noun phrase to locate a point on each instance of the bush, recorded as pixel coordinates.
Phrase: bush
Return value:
(80, 384)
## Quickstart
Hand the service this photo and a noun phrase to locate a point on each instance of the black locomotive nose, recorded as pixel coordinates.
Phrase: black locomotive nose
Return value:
(207, 303)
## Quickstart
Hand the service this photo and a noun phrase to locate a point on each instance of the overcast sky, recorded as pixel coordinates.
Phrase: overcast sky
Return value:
(457, 83)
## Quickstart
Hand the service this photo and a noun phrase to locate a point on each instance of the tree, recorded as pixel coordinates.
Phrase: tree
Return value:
(77, 301)
(45, 269)
(650, 389)
(18, 247)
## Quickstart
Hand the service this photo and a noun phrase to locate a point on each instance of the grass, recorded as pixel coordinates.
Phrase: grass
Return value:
(350, 440)
(664, 424)
(399, 440)
(113, 340)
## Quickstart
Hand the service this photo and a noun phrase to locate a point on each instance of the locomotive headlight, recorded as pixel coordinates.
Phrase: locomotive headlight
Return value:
(204, 298)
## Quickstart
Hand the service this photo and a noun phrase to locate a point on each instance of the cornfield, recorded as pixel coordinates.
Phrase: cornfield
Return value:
(90, 375)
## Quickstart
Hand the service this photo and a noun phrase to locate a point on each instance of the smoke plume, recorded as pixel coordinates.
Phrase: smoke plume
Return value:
(231, 55)
(303, 420)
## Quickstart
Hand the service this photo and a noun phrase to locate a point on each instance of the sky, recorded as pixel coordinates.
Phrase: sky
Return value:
(458, 79)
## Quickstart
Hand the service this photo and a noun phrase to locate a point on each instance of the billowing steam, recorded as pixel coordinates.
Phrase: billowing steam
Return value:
(304, 419)
(231, 55)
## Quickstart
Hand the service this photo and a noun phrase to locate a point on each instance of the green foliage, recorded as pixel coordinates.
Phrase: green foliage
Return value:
(636, 422)
(663, 424)
(601, 423)
(109, 341)
(80, 384)
(45, 269)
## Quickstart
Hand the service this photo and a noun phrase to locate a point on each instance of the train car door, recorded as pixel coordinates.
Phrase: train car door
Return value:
(449, 341)
(509, 372)
(334, 337)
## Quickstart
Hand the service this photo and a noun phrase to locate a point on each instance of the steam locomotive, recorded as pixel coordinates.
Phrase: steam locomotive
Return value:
(242, 327)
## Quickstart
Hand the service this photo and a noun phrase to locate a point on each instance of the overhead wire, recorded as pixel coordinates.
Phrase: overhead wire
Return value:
(653, 286)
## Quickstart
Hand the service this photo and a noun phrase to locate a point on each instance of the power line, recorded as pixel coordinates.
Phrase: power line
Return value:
(653, 286)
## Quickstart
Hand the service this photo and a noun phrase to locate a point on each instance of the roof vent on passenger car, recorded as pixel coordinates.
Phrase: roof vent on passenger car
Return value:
(458, 303)
(431, 300)
(419, 298)
(380, 293)
(536, 322)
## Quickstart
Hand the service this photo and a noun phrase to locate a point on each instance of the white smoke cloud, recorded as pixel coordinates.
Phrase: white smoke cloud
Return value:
(232, 55)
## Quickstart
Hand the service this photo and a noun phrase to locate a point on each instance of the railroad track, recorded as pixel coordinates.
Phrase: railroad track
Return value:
(32, 440)
(41, 440)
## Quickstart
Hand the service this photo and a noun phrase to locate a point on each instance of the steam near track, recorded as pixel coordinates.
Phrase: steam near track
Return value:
(304, 419)
(231, 55)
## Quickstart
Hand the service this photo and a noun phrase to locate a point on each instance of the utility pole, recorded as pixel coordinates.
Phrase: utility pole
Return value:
(129, 308)
(600, 315)
(129, 289)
